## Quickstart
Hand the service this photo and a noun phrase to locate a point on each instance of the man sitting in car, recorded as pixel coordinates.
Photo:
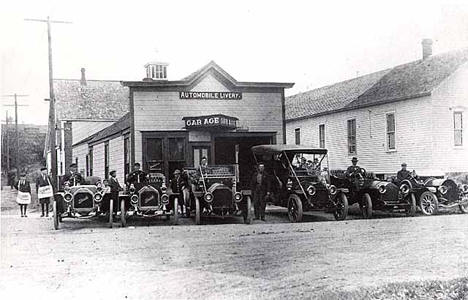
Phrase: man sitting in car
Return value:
(354, 169)
(73, 178)
(404, 173)
(138, 178)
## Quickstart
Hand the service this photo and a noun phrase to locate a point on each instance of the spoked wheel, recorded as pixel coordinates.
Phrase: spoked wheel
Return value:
(111, 213)
(56, 216)
(197, 211)
(366, 206)
(428, 203)
(341, 209)
(411, 209)
(464, 207)
(176, 211)
(248, 210)
(123, 219)
(295, 209)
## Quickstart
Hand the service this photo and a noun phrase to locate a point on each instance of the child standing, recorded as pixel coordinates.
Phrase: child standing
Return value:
(24, 194)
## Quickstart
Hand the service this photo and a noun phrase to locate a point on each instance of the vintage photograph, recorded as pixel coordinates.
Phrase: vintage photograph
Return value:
(234, 149)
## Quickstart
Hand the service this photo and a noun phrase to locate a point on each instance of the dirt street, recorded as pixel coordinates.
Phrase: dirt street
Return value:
(276, 259)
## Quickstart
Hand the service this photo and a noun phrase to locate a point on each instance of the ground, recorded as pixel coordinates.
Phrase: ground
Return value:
(389, 257)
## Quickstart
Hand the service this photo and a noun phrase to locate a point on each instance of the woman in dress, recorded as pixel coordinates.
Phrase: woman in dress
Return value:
(24, 194)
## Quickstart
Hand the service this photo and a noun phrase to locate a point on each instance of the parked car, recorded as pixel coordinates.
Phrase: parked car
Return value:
(81, 201)
(149, 201)
(298, 187)
(447, 194)
(373, 194)
(215, 193)
(413, 187)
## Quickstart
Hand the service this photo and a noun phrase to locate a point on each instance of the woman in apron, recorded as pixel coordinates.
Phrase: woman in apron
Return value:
(24, 194)
(44, 191)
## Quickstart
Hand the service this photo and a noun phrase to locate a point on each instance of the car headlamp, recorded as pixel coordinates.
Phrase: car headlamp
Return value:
(464, 188)
(311, 190)
(134, 199)
(237, 197)
(208, 197)
(443, 189)
(68, 197)
(165, 199)
(332, 189)
(382, 189)
(404, 189)
(97, 197)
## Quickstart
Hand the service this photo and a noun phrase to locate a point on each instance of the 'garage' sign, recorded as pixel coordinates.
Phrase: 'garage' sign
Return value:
(211, 95)
(213, 121)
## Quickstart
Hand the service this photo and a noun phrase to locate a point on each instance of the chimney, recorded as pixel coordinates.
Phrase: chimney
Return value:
(426, 48)
(83, 76)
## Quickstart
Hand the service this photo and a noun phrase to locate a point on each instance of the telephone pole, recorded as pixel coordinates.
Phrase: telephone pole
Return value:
(52, 125)
(17, 161)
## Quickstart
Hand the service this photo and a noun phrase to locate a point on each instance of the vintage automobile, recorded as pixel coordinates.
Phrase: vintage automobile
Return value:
(148, 200)
(373, 194)
(446, 194)
(215, 193)
(301, 188)
(82, 201)
(413, 187)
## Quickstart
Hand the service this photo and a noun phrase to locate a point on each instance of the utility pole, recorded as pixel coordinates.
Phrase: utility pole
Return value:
(17, 161)
(52, 125)
(7, 136)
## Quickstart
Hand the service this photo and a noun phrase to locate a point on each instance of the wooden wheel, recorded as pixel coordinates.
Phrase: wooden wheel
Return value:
(56, 216)
(111, 213)
(197, 211)
(176, 212)
(295, 208)
(366, 206)
(123, 219)
(248, 212)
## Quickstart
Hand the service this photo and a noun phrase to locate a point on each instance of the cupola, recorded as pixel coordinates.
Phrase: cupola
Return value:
(156, 71)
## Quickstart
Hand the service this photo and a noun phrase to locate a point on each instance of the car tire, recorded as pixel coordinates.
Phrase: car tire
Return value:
(342, 213)
(295, 211)
(248, 212)
(56, 216)
(197, 211)
(123, 219)
(111, 213)
(176, 211)
(411, 210)
(463, 207)
(366, 206)
(428, 203)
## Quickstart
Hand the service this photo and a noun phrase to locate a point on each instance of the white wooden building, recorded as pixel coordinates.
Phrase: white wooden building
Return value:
(414, 113)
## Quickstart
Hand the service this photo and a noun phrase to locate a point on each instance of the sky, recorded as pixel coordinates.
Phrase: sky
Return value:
(310, 43)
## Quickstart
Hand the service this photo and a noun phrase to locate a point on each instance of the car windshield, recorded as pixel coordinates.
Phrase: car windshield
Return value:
(310, 165)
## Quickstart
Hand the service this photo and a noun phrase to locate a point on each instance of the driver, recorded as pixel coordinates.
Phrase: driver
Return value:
(73, 177)
(404, 173)
(137, 177)
(353, 169)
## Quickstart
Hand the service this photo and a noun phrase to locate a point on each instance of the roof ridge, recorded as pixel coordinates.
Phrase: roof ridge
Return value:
(106, 80)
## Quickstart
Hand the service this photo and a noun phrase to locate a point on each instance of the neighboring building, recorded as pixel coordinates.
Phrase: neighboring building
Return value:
(173, 124)
(415, 113)
(84, 107)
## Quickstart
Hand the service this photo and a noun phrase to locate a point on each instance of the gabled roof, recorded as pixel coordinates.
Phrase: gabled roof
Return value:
(118, 127)
(97, 100)
(412, 80)
(200, 73)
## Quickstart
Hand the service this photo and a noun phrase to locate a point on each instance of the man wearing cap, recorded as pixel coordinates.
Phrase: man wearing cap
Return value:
(354, 169)
(404, 173)
(261, 188)
(73, 177)
(137, 177)
(180, 185)
(44, 191)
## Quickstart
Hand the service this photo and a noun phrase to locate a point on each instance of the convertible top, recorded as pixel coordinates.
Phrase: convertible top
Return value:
(272, 149)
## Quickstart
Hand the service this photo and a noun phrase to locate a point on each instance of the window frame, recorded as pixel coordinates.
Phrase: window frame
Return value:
(106, 160)
(297, 136)
(387, 132)
(455, 130)
(322, 138)
(349, 137)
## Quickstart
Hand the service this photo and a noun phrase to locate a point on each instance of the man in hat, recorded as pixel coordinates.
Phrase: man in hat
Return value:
(179, 184)
(115, 187)
(73, 177)
(138, 178)
(43, 190)
(261, 188)
(404, 173)
(354, 169)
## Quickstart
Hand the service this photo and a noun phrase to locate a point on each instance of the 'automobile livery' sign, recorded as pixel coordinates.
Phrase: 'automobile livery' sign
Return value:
(212, 121)
(211, 95)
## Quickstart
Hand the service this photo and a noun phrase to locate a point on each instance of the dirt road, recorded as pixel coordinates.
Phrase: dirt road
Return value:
(268, 260)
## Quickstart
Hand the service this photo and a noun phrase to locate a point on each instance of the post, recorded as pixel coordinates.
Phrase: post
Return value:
(17, 139)
(52, 132)
(7, 128)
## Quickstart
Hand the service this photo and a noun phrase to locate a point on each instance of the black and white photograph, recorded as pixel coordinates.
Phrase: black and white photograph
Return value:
(234, 149)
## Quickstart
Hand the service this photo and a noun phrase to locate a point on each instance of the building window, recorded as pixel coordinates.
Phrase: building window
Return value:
(297, 133)
(87, 165)
(154, 152)
(391, 128)
(322, 135)
(90, 161)
(106, 160)
(352, 136)
(126, 157)
(458, 128)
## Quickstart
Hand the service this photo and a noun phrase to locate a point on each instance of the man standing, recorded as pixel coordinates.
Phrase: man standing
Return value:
(73, 177)
(115, 187)
(44, 191)
(260, 186)
(180, 185)
(137, 177)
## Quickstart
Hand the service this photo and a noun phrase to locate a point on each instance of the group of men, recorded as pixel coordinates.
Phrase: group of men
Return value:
(403, 174)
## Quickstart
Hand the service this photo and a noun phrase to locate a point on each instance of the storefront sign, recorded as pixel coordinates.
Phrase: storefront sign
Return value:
(213, 121)
(211, 95)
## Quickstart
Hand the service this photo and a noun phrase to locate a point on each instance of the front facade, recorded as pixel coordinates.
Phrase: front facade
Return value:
(414, 113)
(173, 124)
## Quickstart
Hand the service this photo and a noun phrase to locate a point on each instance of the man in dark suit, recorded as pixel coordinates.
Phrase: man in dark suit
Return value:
(137, 177)
(354, 169)
(261, 188)
(43, 181)
(73, 177)
(115, 188)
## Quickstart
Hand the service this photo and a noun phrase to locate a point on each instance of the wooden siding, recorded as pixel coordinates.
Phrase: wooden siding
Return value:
(80, 152)
(98, 160)
(413, 138)
(116, 157)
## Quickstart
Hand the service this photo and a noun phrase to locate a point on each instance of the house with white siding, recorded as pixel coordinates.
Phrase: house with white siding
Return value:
(84, 107)
(415, 113)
